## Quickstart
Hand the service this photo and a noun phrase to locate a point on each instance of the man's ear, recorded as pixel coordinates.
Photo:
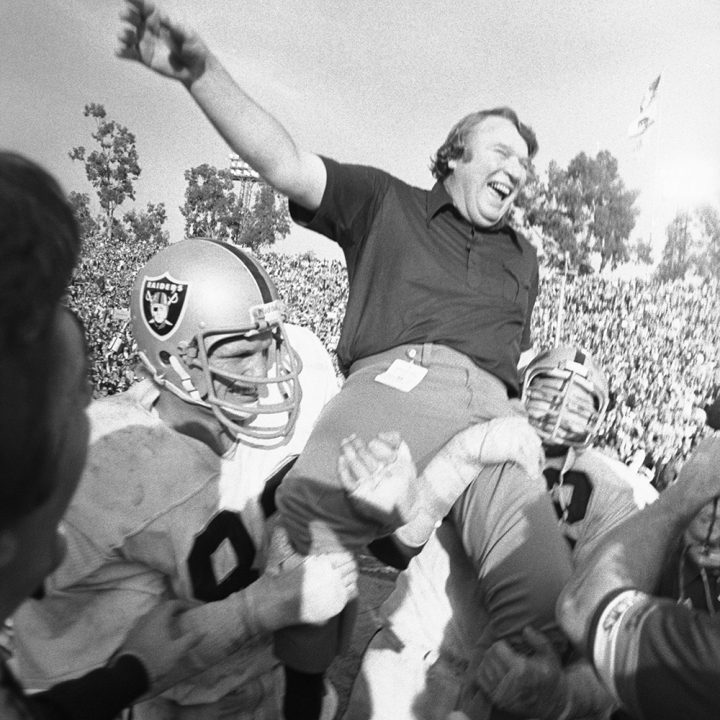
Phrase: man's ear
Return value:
(8, 547)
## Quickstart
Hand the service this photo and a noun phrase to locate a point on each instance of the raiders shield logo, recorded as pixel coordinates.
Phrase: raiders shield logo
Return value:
(163, 302)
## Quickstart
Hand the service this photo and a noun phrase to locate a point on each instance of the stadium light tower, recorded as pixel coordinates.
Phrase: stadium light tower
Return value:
(245, 177)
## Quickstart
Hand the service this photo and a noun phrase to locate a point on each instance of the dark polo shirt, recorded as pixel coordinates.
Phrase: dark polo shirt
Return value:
(419, 272)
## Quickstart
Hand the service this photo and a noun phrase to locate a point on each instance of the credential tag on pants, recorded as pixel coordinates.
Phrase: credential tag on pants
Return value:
(402, 375)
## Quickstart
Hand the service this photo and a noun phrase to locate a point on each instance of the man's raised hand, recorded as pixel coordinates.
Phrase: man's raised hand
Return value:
(150, 37)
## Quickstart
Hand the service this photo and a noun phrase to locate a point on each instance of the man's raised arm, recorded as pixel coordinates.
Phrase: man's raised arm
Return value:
(150, 37)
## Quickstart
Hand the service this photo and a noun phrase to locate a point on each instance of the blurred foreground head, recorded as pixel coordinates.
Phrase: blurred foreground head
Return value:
(43, 375)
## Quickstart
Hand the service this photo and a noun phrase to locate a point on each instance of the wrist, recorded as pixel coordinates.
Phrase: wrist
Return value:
(254, 608)
(204, 69)
(417, 532)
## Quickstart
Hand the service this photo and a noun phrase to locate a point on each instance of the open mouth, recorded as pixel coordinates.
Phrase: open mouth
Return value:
(502, 190)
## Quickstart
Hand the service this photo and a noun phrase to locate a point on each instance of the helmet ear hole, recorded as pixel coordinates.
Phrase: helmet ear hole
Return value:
(164, 356)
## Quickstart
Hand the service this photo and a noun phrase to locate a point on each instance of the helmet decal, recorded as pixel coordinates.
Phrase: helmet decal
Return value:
(162, 302)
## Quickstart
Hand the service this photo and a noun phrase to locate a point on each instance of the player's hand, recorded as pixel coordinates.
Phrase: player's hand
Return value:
(157, 641)
(150, 37)
(307, 589)
(512, 439)
(529, 686)
(379, 478)
(302, 589)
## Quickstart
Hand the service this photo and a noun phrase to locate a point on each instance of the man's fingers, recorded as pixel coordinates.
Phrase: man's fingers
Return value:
(359, 458)
(489, 673)
(502, 654)
(403, 454)
(537, 640)
(347, 479)
(494, 665)
(391, 437)
(383, 451)
(142, 7)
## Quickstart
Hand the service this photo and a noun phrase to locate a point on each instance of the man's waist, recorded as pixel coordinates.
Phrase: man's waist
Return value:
(428, 354)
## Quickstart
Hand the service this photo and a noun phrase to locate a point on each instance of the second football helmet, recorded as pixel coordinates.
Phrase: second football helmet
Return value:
(198, 294)
(565, 393)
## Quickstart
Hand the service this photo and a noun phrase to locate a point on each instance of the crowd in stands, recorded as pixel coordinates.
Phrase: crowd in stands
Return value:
(660, 342)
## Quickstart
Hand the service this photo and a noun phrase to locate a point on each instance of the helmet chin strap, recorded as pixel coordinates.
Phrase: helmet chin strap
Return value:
(185, 379)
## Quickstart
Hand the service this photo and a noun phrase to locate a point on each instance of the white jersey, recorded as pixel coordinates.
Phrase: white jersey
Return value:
(159, 515)
(433, 621)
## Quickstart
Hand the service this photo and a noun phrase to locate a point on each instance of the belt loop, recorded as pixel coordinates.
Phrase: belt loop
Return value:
(427, 351)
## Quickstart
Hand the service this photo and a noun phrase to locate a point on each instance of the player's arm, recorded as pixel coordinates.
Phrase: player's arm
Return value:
(632, 555)
(100, 695)
(150, 37)
(293, 590)
(538, 685)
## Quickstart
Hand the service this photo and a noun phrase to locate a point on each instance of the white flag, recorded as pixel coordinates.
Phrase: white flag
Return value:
(648, 111)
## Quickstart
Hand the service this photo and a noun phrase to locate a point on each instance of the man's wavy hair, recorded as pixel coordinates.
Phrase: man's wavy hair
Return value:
(39, 246)
(455, 145)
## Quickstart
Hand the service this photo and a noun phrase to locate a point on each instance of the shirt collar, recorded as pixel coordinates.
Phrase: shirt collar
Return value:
(438, 199)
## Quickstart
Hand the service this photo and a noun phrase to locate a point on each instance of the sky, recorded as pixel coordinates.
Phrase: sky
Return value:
(381, 83)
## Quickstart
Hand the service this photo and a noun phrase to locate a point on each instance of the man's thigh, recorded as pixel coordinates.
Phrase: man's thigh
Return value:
(315, 510)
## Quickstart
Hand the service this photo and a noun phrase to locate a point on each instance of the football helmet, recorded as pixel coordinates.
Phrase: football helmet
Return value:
(197, 295)
(565, 393)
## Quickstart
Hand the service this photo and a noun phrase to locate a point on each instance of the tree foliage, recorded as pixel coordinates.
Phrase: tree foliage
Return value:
(708, 255)
(211, 207)
(214, 208)
(80, 203)
(114, 248)
(692, 245)
(676, 259)
(268, 221)
(641, 252)
(581, 212)
(113, 167)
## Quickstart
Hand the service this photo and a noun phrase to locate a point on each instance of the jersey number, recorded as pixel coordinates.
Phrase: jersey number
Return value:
(226, 525)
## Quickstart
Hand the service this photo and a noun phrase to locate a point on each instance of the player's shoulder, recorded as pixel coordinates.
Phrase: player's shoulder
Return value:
(137, 467)
(305, 341)
(126, 409)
